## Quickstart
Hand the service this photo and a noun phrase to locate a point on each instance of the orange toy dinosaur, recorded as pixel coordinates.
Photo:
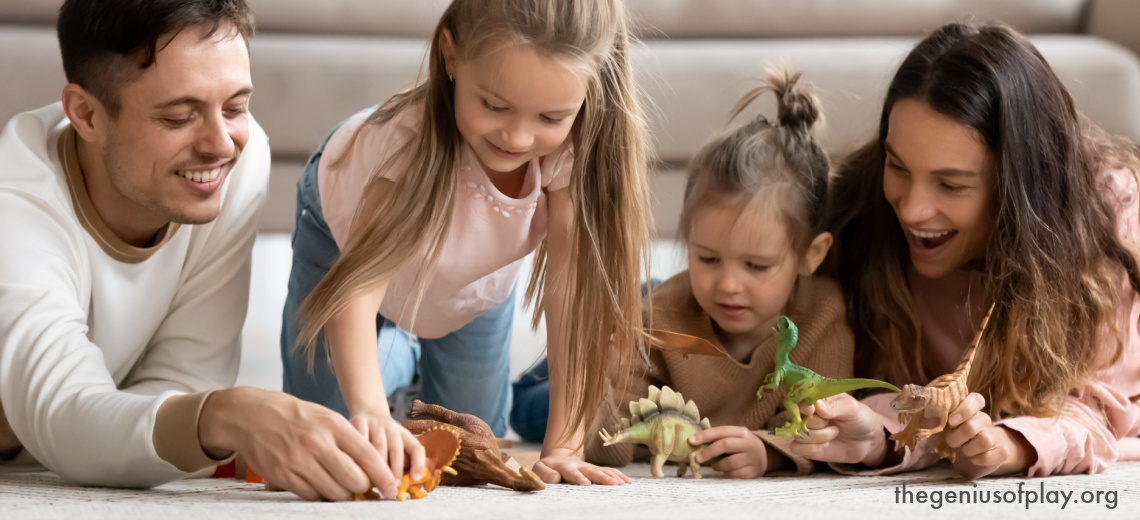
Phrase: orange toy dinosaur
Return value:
(935, 400)
(441, 447)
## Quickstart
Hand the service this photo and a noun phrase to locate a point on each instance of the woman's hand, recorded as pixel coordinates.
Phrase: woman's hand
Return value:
(565, 465)
(980, 447)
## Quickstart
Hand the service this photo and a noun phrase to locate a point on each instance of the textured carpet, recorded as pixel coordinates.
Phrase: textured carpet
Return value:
(828, 496)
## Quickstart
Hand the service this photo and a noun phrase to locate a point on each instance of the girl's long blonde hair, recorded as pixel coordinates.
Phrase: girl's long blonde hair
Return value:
(608, 188)
(1053, 258)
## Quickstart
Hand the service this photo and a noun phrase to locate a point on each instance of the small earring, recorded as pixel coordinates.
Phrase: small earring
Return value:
(451, 77)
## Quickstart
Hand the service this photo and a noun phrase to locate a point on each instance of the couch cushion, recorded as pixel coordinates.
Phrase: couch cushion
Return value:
(841, 18)
(656, 18)
(696, 19)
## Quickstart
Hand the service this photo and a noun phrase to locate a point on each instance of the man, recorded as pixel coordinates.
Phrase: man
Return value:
(127, 217)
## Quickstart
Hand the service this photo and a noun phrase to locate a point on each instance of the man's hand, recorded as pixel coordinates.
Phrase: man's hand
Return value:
(297, 445)
(746, 456)
(564, 465)
(9, 444)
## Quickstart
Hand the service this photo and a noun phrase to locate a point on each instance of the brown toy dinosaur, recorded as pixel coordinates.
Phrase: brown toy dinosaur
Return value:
(479, 461)
(935, 400)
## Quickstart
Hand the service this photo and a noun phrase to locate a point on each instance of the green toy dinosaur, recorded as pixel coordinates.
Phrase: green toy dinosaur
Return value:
(803, 386)
(663, 422)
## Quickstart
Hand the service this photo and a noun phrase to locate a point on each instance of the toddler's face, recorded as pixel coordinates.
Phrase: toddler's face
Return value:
(742, 268)
(512, 105)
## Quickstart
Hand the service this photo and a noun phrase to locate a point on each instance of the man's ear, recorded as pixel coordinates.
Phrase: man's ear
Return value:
(816, 252)
(447, 47)
(87, 114)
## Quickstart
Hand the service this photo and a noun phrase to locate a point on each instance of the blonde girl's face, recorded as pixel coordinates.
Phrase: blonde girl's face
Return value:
(513, 104)
(743, 269)
(938, 177)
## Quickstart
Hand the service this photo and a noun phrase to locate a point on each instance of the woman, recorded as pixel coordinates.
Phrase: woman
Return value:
(983, 186)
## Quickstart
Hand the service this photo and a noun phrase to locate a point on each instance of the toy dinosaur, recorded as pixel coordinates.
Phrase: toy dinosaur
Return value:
(935, 400)
(479, 461)
(803, 386)
(663, 422)
(441, 446)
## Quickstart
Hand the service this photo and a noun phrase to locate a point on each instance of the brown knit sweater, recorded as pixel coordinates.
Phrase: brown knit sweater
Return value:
(723, 388)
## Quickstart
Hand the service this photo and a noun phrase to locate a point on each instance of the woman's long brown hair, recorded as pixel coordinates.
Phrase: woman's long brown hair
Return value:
(1053, 258)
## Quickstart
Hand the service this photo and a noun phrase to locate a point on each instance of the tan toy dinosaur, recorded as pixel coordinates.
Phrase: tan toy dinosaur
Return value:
(935, 400)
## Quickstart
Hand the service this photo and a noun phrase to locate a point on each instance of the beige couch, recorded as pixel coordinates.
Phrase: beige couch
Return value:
(314, 63)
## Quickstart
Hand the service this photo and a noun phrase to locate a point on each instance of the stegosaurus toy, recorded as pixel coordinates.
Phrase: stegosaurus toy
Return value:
(803, 386)
(663, 422)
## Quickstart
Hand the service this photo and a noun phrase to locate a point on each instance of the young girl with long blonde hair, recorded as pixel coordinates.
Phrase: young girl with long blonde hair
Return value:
(414, 219)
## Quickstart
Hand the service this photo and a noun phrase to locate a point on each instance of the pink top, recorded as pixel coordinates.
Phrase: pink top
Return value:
(490, 232)
(1100, 423)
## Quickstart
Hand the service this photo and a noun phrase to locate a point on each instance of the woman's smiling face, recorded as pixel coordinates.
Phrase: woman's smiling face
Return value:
(938, 176)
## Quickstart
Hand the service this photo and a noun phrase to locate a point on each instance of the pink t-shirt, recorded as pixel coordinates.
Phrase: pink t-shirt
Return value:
(1100, 423)
(490, 232)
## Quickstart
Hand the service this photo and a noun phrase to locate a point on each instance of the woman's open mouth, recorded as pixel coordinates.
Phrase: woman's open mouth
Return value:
(929, 240)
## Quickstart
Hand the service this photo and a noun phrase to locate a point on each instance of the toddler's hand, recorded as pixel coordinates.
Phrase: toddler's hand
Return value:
(746, 456)
(562, 464)
(392, 440)
(843, 430)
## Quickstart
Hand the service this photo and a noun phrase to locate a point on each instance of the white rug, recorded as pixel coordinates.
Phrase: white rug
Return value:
(42, 495)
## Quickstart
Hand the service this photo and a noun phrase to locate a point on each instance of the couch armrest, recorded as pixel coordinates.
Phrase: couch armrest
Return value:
(1115, 20)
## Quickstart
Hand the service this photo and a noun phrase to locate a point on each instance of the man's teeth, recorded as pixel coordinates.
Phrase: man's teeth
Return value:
(929, 235)
(201, 175)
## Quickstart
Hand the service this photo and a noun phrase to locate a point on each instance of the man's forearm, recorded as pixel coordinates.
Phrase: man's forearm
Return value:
(215, 422)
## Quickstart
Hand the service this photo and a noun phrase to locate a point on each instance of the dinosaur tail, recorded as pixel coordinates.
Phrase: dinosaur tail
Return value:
(832, 387)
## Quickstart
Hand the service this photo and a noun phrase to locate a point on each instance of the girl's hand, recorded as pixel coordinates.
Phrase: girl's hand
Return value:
(562, 464)
(843, 430)
(392, 440)
(746, 456)
(980, 447)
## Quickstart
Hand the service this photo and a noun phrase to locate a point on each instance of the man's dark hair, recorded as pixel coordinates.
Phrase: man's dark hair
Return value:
(107, 43)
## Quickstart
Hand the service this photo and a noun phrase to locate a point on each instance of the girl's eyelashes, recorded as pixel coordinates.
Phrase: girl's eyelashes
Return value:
(493, 108)
(545, 119)
(758, 268)
(707, 259)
